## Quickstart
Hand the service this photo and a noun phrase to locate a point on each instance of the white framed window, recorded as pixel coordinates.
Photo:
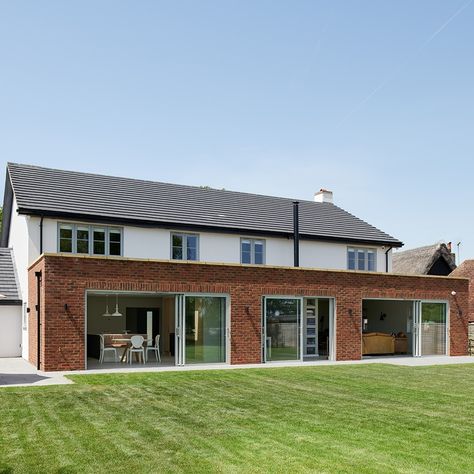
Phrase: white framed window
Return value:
(115, 241)
(184, 246)
(66, 238)
(362, 259)
(252, 251)
(89, 240)
(99, 240)
(82, 239)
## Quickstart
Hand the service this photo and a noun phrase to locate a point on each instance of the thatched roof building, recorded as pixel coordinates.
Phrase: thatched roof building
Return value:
(466, 270)
(434, 259)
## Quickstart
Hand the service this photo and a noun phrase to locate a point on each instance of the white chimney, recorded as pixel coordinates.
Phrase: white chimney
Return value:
(323, 195)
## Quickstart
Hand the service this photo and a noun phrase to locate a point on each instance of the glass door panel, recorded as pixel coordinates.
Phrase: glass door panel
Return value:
(282, 329)
(205, 329)
(179, 330)
(433, 329)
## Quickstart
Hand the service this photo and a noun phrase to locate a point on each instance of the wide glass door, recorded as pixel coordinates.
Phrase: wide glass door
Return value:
(200, 334)
(204, 329)
(430, 328)
(282, 329)
(433, 328)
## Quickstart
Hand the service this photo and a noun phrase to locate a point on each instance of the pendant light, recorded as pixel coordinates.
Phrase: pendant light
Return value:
(116, 312)
(106, 314)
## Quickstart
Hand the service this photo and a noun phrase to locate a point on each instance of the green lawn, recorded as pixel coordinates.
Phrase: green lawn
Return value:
(359, 418)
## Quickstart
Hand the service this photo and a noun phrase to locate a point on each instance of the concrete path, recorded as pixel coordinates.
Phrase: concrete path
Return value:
(17, 372)
(402, 361)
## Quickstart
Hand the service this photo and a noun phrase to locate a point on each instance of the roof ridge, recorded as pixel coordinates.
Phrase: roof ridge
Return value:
(140, 180)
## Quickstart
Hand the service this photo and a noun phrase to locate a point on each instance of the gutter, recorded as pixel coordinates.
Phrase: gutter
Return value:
(41, 234)
(386, 258)
(118, 221)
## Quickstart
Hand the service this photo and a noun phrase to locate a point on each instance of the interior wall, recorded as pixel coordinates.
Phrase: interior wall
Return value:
(323, 326)
(97, 324)
(167, 323)
(398, 318)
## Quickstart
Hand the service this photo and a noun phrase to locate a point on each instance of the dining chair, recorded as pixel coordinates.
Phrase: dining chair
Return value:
(155, 349)
(136, 347)
(104, 349)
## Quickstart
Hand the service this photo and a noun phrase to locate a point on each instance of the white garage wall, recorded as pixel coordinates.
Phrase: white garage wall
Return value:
(10, 333)
(19, 241)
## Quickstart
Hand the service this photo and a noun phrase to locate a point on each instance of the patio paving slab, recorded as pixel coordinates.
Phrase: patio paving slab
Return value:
(17, 372)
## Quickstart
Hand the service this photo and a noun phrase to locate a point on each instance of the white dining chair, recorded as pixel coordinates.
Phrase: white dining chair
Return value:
(155, 349)
(136, 348)
(104, 349)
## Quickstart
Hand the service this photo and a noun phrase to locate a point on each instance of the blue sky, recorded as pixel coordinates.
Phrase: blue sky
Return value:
(372, 99)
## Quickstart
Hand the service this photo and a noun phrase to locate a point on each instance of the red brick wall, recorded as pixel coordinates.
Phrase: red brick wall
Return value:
(466, 270)
(67, 278)
(33, 314)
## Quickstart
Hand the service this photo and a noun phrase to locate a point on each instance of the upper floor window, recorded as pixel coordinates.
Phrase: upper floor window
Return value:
(184, 246)
(89, 240)
(66, 237)
(252, 251)
(361, 259)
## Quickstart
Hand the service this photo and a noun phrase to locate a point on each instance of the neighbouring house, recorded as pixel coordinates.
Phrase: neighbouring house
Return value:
(437, 259)
(208, 276)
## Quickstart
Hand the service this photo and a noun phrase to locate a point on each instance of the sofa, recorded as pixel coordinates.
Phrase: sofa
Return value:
(378, 343)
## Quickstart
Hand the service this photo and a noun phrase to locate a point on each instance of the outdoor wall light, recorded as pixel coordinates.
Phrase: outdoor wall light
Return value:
(247, 310)
(453, 293)
(66, 307)
(350, 313)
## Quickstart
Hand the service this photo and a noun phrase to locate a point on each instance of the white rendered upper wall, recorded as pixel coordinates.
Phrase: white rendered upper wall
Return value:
(155, 243)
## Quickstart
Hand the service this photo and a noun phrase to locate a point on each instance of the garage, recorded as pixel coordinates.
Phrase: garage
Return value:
(10, 307)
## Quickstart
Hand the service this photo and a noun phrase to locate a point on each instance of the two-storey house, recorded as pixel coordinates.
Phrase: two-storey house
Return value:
(208, 276)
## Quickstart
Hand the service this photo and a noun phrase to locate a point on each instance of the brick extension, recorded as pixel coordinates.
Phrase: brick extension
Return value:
(66, 278)
(466, 270)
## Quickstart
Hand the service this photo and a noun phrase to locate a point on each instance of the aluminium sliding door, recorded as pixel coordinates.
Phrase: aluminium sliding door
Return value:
(431, 328)
(201, 329)
(282, 335)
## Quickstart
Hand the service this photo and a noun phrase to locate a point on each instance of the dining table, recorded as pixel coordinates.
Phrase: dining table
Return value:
(123, 342)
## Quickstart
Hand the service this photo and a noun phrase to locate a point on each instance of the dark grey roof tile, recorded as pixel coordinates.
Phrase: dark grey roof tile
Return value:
(39, 189)
(8, 280)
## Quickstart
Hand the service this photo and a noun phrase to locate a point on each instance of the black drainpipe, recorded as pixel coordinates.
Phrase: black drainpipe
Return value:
(41, 235)
(296, 234)
(38, 319)
(386, 259)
